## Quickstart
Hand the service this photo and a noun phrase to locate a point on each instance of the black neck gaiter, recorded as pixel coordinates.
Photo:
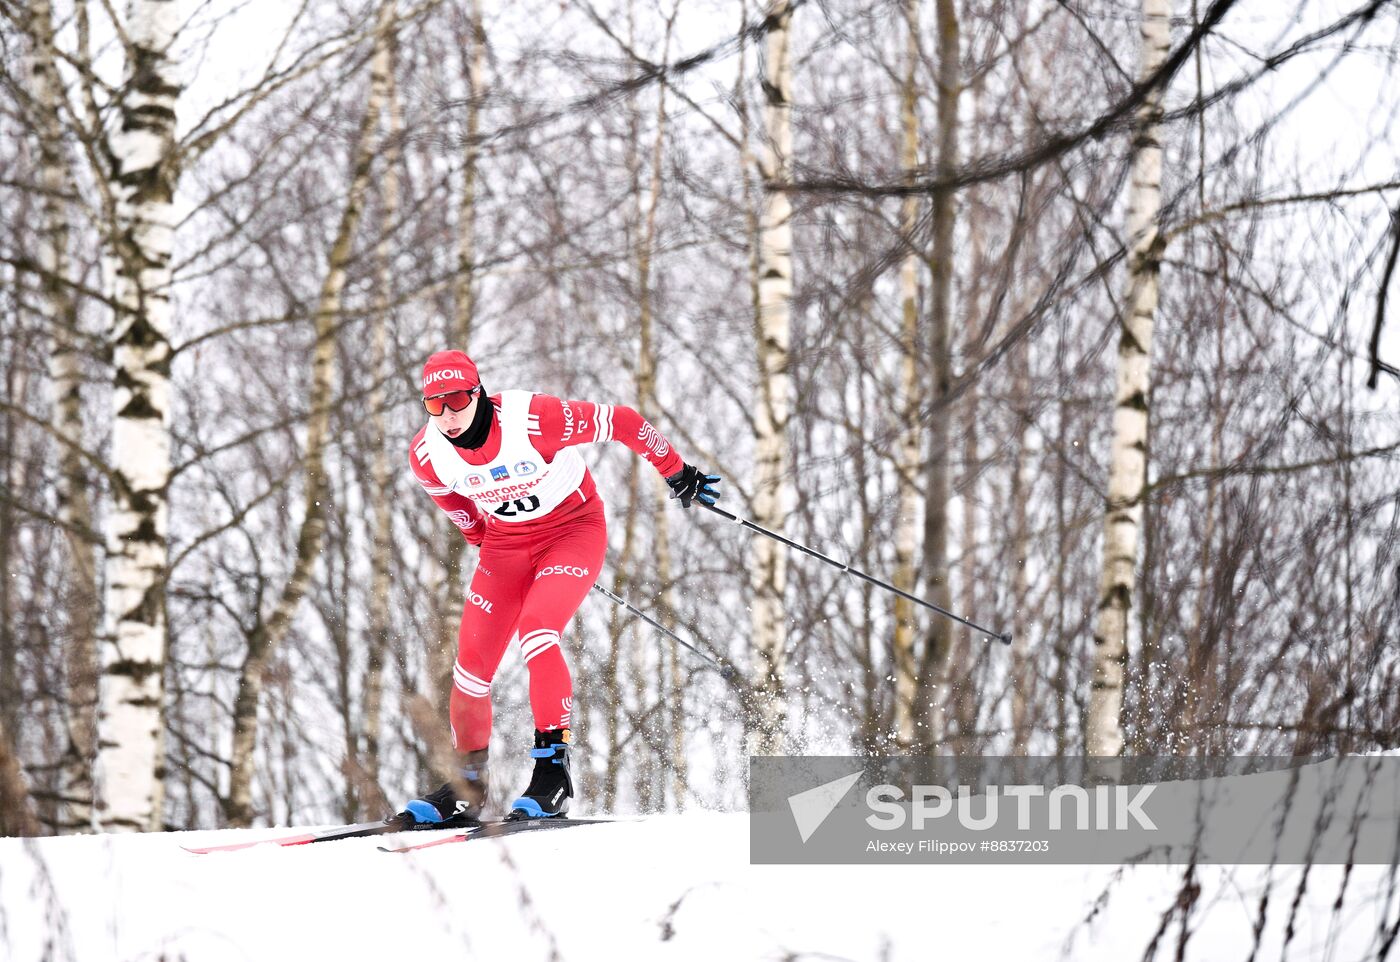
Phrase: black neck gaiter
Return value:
(475, 434)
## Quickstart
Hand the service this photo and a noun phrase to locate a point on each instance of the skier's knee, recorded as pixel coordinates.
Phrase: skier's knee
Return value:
(473, 686)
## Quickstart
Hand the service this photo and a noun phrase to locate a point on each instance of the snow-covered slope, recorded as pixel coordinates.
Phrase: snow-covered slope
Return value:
(671, 887)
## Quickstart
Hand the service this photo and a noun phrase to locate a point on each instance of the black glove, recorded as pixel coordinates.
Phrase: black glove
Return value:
(690, 483)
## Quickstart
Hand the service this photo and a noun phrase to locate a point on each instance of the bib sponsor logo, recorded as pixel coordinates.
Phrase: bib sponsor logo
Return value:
(570, 570)
(500, 473)
(526, 467)
(448, 375)
(475, 480)
(514, 490)
(479, 601)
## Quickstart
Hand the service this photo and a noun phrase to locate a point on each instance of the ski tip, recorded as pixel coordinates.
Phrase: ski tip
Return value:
(213, 849)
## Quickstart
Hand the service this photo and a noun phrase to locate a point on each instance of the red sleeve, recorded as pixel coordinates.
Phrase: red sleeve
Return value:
(562, 424)
(462, 510)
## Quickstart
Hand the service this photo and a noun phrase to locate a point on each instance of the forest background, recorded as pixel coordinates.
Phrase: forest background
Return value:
(1070, 317)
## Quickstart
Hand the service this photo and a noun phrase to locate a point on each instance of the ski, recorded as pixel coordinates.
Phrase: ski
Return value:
(306, 838)
(495, 828)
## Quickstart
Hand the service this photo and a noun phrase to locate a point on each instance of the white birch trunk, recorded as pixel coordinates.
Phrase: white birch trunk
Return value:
(1127, 473)
(768, 577)
(265, 639)
(906, 542)
(130, 763)
(65, 370)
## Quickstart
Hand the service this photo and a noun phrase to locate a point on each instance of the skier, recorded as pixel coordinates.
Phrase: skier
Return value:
(504, 469)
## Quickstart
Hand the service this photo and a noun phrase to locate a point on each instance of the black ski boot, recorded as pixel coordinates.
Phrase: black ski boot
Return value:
(448, 808)
(551, 786)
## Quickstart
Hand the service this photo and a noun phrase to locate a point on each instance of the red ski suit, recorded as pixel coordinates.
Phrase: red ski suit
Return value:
(542, 535)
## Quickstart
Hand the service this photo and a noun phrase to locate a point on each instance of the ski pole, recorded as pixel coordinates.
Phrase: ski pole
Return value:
(1003, 637)
(727, 671)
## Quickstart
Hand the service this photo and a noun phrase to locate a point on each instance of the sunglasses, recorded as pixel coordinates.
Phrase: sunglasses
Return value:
(456, 400)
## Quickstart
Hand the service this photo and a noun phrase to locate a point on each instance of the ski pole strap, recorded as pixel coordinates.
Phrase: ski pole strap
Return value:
(1003, 637)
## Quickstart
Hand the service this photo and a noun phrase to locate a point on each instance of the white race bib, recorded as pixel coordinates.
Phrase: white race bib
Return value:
(517, 485)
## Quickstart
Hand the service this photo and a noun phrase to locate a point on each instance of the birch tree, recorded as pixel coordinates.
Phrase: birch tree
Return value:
(381, 492)
(60, 312)
(668, 686)
(1127, 473)
(768, 578)
(144, 174)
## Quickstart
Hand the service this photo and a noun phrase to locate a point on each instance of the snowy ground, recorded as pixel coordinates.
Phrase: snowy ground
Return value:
(673, 887)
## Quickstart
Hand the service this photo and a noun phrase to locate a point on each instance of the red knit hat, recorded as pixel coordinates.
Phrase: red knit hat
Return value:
(448, 371)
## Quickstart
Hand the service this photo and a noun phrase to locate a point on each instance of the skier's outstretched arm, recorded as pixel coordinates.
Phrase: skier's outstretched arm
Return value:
(562, 424)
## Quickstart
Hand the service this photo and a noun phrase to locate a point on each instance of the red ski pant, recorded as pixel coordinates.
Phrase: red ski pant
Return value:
(527, 586)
